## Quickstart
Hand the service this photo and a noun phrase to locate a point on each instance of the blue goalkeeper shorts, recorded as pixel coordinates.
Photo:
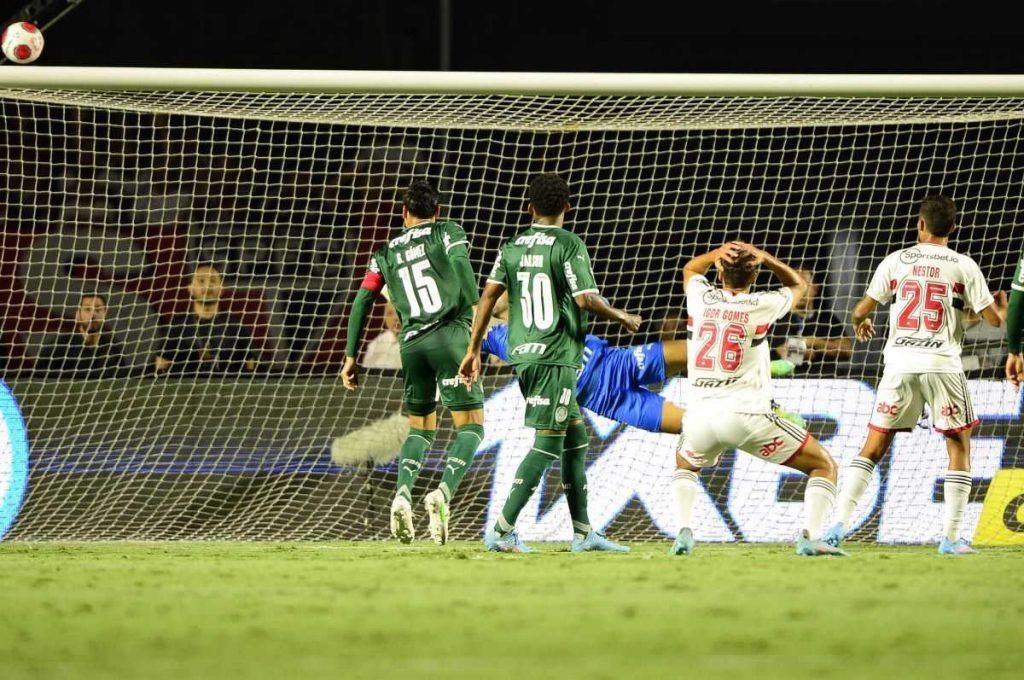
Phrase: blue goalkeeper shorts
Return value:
(616, 386)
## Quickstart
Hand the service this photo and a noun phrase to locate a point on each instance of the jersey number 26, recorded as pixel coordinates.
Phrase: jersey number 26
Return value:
(723, 344)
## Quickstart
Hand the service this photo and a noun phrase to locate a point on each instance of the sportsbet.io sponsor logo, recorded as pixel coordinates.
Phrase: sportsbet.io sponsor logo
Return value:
(713, 297)
(13, 458)
(912, 255)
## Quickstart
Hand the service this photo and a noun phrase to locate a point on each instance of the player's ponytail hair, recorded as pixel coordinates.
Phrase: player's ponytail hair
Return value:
(741, 272)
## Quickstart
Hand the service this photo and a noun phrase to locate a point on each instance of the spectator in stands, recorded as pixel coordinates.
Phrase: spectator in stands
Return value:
(813, 339)
(207, 340)
(382, 351)
(88, 352)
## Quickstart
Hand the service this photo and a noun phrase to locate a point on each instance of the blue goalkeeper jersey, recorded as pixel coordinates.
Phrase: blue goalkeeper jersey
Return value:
(612, 380)
(496, 343)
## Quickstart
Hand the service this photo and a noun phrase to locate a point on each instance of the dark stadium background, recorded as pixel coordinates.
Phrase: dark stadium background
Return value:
(770, 36)
(879, 36)
(841, 36)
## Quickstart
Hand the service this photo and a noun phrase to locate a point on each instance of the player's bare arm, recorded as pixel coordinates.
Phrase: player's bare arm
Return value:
(596, 304)
(350, 374)
(1014, 325)
(863, 327)
(828, 348)
(1015, 369)
(995, 313)
(469, 369)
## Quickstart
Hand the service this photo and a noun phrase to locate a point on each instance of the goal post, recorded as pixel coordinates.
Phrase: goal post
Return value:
(510, 83)
(120, 182)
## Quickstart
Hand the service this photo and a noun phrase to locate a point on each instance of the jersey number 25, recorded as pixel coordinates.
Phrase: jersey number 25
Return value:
(924, 305)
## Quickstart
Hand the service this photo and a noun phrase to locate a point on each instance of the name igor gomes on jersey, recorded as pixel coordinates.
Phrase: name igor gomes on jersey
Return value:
(728, 355)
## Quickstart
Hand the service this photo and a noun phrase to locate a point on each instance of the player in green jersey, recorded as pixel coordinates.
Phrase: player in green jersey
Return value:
(547, 272)
(1015, 326)
(433, 288)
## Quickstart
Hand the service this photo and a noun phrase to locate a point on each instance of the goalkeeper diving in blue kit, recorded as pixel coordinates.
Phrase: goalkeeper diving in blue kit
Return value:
(613, 380)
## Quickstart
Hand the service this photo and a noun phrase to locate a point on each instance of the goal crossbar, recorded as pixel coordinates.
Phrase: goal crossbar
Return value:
(511, 83)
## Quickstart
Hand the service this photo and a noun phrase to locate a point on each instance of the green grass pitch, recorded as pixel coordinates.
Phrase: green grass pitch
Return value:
(383, 610)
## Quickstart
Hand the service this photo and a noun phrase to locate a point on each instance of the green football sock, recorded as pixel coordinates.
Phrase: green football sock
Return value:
(780, 368)
(546, 449)
(574, 477)
(410, 459)
(460, 455)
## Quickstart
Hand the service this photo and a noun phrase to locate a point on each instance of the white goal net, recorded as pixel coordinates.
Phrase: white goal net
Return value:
(113, 198)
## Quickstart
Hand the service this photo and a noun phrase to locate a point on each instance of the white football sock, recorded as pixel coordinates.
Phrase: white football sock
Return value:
(855, 483)
(957, 489)
(819, 499)
(685, 485)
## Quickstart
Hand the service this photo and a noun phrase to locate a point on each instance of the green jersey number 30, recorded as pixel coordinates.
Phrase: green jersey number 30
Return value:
(537, 300)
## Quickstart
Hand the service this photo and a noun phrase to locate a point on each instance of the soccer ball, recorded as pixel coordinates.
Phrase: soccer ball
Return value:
(22, 43)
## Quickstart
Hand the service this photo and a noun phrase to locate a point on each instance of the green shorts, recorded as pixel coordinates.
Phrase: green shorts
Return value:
(550, 393)
(430, 364)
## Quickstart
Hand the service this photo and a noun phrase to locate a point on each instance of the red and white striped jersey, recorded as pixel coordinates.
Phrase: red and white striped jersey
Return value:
(930, 287)
(728, 355)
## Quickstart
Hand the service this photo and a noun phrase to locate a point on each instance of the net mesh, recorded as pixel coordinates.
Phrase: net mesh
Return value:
(122, 194)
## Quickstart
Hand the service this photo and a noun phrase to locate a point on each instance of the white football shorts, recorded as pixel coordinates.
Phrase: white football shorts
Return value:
(902, 396)
(707, 435)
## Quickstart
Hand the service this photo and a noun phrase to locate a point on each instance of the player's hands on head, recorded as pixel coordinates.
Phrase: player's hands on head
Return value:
(865, 330)
(758, 254)
(749, 248)
(730, 251)
(1015, 369)
(349, 374)
(469, 369)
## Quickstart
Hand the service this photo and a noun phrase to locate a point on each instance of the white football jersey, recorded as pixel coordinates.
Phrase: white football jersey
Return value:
(930, 287)
(727, 348)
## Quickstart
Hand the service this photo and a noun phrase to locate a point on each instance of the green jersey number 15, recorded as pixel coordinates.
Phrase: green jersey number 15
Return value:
(420, 288)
